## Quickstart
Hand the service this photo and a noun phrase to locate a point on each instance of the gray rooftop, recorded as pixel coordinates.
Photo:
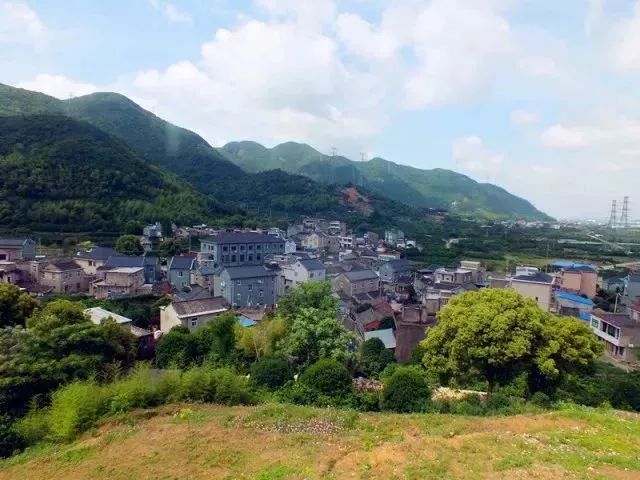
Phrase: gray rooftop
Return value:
(199, 305)
(13, 242)
(249, 271)
(538, 277)
(117, 261)
(361, 275)
(98, 253)
(180, 262)
(242, 237)
(312, 264)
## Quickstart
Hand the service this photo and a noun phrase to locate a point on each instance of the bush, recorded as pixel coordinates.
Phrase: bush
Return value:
(75, 408)
(141, 389)
(270, 372)
(406, 391)
(297, 393)
(366, 401)
(328, 377)
(32, 428)
(498, 401)
(540, 399)
(9, 440)
(374, 357)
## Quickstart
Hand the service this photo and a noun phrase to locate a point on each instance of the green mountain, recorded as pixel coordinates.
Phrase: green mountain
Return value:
(60, 174)
(250, 198)
(437, 188)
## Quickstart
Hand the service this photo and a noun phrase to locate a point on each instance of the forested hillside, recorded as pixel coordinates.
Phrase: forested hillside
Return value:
(60, 174)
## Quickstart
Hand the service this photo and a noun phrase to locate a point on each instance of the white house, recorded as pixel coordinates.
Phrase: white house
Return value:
(303, 270)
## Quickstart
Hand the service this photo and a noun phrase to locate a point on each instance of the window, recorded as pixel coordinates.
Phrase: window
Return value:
(250, 258)
(194, 322)
(180, 273)
(233, 258)
(595, 323)
(225, 249)
(225, 258)
(239, 282)
(242, 257)
(250, 287)
(261, 293)
(258, 257)
(310, 274)
(234, 248)
(258, 247)
(250, 247)
(242, 247)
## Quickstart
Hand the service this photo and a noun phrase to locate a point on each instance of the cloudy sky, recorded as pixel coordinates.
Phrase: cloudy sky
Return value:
(541, 97)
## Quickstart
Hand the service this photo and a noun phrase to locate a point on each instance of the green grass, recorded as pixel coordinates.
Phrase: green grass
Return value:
(276, 441)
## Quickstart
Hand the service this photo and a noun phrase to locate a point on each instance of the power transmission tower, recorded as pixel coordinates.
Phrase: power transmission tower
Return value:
(624, 217)
(613, 218)
(334, 150)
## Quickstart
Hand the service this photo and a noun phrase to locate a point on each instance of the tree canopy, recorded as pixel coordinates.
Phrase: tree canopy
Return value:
(499, 334)
(15, 305)
(129, 245)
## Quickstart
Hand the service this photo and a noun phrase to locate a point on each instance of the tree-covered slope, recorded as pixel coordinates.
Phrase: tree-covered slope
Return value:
(60, 174)
(437, 188)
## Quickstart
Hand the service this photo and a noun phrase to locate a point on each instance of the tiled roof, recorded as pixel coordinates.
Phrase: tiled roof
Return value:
(63, 265)
(180, 262)
(98, 253)
(538, 277)
(312, 264)
(198, 306)
(98, 314)
(616, 319)
(116, 261)
(361, 275)
(243, 237)
(387, 336)
(12, 242)
(399, 264)
(249, 271)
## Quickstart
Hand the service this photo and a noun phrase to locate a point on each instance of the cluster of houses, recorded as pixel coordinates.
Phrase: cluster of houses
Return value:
(380, 294)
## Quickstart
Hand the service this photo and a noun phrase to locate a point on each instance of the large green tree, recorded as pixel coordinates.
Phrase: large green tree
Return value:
(499, 335)
(315, 333)
(316, 295)
(15, 305)
(129, 245)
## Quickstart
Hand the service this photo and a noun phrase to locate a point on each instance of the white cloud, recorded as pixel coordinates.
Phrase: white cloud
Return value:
(364, 39)
(58, 86)
(457, 45)
(539, 66)
(19, 23)
(563, 137)
(471, 155)
(625, 52)
(172, 13)
(524, 117)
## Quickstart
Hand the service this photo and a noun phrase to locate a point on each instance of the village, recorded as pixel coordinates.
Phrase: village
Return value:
(381, 293)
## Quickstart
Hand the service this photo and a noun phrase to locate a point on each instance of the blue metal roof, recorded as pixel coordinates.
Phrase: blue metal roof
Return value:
(246, 321)
(573, 298)
(571, 264)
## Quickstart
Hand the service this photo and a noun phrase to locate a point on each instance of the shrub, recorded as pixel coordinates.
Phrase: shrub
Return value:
(297, 393)
(9, 440)
(406, 391)
(138, 390)
(328, 377)
(540, 399)
(74, 408)
(32, 428)
(270, 372)
(498, 401)
(230, 389)
(366, 401)
(374, 357)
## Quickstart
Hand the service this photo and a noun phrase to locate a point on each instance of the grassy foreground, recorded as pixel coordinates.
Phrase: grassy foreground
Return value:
(272, 442)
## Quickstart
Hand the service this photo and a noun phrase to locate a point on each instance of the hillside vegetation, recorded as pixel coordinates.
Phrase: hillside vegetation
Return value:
(290, 442)
(260, 198)
(437, 188)
(57, 173)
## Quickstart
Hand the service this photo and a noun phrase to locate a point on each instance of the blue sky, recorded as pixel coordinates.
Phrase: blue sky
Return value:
(537, 96)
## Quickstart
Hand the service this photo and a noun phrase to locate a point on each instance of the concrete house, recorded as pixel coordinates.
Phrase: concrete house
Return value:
(300, 271)
(64, 276)
(538, 286)
(97, 315)
(150, 265)
(567, 303)
(357, 282)
(192, 314)
(633, 289)
(578, 279)
(94, 258)
(121, 282)
(17, 249)
(10, 273)
(233, 249)
(247, 286)
(620, 333)
(179, 271)
(458, 276)
(395, 269)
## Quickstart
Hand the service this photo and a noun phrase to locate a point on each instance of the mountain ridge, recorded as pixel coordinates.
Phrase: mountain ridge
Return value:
(425, 188)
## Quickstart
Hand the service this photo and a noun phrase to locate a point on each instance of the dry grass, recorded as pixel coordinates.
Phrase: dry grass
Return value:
(274, 442)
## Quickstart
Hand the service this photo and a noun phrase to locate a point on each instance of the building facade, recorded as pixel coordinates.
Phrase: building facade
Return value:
(234, 249)
(357, 282)
(17, 249)
(620, 333)
(246, 286)
(538, 287)
(191, 314)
